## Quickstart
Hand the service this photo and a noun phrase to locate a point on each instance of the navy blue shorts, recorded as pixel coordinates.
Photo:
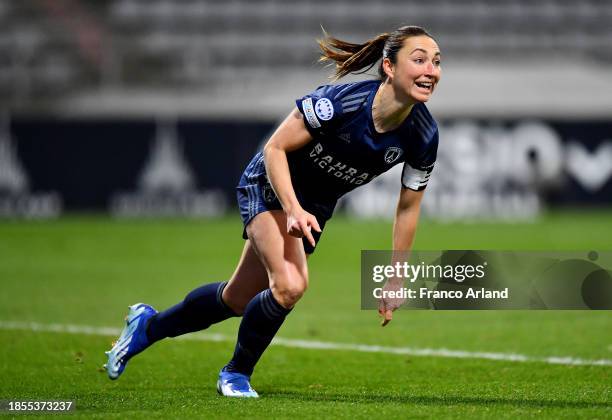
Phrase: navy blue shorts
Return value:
(255, 195)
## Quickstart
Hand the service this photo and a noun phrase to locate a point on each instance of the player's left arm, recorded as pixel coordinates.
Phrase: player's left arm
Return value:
(406, 218)
(415, 177)
(404, 229)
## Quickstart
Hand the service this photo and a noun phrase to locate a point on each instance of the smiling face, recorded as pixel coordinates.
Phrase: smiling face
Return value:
(416, 71)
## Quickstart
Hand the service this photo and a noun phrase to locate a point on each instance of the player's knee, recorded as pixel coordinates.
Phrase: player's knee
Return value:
(289, 293)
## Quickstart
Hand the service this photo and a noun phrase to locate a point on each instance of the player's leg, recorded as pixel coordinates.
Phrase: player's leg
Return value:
(213, 302)
(201, 308)
(249, 278)
(285, 261)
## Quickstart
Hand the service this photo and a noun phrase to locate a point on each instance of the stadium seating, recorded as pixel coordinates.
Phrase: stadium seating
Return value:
(92, 45)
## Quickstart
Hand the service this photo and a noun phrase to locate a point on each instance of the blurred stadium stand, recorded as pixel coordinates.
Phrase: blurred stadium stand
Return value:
(552, 58)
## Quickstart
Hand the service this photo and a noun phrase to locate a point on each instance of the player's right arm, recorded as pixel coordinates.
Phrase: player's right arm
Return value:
(289, 136)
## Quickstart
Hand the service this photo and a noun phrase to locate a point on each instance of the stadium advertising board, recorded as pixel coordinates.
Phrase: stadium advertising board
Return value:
(485, 169)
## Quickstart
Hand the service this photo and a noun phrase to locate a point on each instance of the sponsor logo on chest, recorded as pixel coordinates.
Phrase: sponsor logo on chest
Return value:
(336, 168)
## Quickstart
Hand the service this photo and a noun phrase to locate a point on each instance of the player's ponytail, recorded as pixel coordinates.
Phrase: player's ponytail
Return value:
(354, 58)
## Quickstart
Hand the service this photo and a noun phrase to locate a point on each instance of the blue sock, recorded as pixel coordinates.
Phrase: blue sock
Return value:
(261, 320)
(201, 308)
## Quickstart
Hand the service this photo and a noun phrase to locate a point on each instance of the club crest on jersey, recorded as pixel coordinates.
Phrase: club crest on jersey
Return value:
(324, 109)
(268, 193)
(392, 154)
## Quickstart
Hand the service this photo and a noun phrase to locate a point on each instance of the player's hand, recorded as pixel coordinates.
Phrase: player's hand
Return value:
(300, 223)
(386, 306)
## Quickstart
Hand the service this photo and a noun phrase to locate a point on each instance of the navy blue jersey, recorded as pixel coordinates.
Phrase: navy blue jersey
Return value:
(347, 151)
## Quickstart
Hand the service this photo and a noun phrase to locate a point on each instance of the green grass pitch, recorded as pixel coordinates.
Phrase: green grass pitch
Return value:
(86, 270)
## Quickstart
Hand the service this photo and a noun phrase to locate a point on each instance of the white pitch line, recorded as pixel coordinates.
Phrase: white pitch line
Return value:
(317, 345)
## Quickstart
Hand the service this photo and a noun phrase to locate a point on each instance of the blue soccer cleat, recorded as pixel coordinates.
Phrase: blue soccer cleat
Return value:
(234, 384)
(133, 339)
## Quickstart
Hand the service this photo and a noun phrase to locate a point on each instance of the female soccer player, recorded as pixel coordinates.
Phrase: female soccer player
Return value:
(339, 137)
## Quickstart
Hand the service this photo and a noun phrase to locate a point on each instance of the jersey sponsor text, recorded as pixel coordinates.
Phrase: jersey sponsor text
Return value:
(337, 168)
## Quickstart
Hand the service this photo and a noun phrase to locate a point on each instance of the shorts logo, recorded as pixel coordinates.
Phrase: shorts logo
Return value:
(309, 113)
(324, 109)
(268, 193)
(392, 154)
